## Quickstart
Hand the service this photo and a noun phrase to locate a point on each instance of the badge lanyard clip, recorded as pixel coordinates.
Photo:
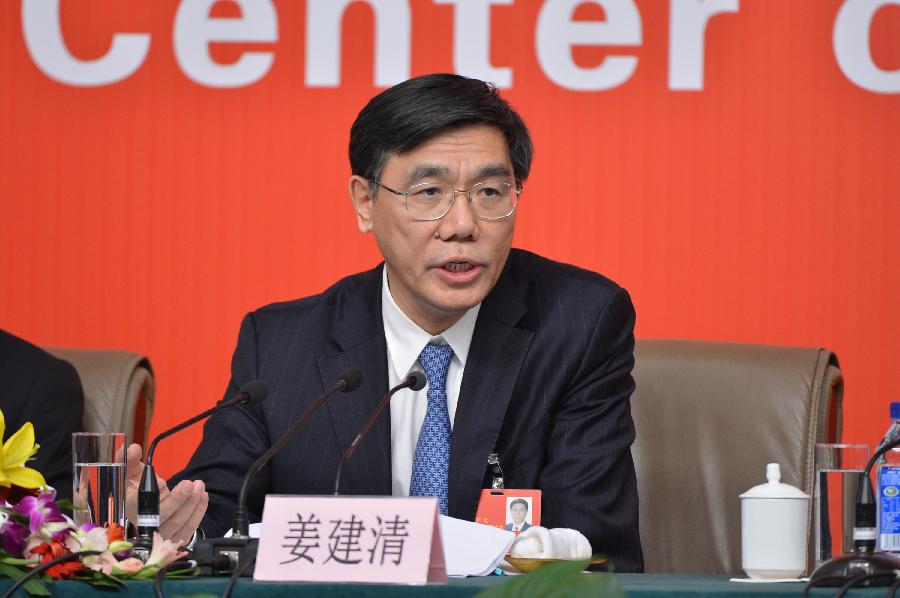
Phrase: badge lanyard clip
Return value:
(497, 481)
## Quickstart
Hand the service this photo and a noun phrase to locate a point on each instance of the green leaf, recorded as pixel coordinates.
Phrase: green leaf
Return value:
(33, 586)
(145, 573)
(148, 573)
(564, 579)
(99, 578)
(18, 562)
(181, 573)
(105, 581)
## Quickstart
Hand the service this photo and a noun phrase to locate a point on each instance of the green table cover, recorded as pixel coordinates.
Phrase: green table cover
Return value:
(635, 585)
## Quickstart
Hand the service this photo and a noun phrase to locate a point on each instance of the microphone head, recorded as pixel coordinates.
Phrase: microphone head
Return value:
(352, 378)
(256, 391)
(416, 380)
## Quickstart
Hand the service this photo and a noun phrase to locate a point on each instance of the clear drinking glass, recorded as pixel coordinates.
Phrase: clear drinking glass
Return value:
(837, 469)
(98, 480)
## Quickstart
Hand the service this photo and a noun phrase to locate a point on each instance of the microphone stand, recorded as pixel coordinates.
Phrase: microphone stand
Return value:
(241, 524)
(865, 565)
(415, 381)
(148, 489)
(240, 548)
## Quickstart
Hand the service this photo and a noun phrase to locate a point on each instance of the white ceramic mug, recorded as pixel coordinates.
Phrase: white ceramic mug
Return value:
(774, 529)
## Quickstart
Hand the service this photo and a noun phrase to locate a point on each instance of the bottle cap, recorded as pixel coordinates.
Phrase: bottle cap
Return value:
(774, 488)
(895, 410)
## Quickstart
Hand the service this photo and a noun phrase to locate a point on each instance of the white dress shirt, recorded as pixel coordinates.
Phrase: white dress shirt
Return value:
(405, 341)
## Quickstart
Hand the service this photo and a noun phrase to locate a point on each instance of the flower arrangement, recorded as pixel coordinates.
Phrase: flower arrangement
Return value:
(34, 530)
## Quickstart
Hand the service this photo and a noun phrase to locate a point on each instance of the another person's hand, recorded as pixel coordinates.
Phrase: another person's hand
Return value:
(180, 509)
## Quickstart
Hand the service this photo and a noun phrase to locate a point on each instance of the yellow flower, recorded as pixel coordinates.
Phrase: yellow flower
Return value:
(14, 453)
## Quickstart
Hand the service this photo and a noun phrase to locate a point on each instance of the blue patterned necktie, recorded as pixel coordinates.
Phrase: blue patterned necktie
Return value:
(431, 462)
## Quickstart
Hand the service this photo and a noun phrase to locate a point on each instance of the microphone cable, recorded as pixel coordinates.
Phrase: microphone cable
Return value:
(237, 574)
(219, 563)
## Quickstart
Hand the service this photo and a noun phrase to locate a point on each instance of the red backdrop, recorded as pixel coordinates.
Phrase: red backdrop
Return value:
(152, 212)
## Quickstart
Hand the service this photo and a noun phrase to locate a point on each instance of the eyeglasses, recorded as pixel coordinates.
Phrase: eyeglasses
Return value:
(491, 200)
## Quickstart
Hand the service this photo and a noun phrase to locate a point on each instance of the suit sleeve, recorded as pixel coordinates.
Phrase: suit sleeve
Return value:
(232, 440)
(54, 405)
(588, 478)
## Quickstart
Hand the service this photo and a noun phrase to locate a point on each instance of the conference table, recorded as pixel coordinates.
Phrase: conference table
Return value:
(635, 585)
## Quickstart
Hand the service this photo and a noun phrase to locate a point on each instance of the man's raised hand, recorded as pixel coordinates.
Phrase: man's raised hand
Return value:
(180, 509)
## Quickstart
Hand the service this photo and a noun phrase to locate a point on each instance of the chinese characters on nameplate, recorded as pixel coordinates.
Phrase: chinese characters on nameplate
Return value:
(350, 539)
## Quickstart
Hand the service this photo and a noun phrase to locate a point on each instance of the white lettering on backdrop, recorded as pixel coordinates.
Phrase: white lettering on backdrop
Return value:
(472, 41)
(194, 30)
(851, 46)
(687, 37)
(44, 40)
(323, 41)
(555, 33)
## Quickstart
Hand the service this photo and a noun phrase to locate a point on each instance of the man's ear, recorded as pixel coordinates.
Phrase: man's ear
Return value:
(362, 202)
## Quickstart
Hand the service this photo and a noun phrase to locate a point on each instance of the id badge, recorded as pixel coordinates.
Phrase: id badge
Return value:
(509, 509)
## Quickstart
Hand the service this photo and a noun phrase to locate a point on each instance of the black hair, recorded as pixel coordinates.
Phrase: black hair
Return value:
(401, 118)
(518, 501)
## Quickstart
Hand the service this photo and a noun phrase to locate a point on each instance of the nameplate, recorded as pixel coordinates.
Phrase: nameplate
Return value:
(350, 539)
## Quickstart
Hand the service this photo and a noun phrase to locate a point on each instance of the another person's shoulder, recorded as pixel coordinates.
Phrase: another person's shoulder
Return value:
(13, 347)
(35, 381)
(26, 357)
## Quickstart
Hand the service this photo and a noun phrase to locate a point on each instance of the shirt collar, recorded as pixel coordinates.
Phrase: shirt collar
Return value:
(405, 339)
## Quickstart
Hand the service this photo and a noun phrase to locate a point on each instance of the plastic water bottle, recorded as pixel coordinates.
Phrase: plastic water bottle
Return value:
(889, 488)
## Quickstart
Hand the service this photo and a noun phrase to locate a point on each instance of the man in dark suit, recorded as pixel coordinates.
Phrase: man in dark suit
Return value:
(524, 357)
(46, 391)
(518, 510)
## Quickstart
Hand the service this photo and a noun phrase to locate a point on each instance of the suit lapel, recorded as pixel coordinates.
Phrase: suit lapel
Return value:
(358, 332)
(492, 368)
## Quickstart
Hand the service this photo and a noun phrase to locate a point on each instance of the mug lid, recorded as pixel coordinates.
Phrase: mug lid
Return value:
(774, 488)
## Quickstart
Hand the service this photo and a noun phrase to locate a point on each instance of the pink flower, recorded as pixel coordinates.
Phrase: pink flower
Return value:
(108, 564)
(163, 552)
(130, 565)
(102, 562)
(94, 538)
(39, 510)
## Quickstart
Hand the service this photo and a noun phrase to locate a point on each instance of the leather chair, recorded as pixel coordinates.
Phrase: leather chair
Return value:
(709, 417)
(119, 390)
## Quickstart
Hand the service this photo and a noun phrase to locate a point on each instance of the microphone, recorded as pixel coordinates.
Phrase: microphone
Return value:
(415, 381)
(240, 547)
(866, 565)
(148, 491)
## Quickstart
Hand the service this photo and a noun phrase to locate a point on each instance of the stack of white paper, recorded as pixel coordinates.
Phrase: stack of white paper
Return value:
(472, 548)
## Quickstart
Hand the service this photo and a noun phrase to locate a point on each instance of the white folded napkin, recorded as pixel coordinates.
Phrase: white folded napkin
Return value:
(538, 542)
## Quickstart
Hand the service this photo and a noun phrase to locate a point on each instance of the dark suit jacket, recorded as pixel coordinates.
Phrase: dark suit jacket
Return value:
(546, 385)
(39, 388)
(525, 526)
